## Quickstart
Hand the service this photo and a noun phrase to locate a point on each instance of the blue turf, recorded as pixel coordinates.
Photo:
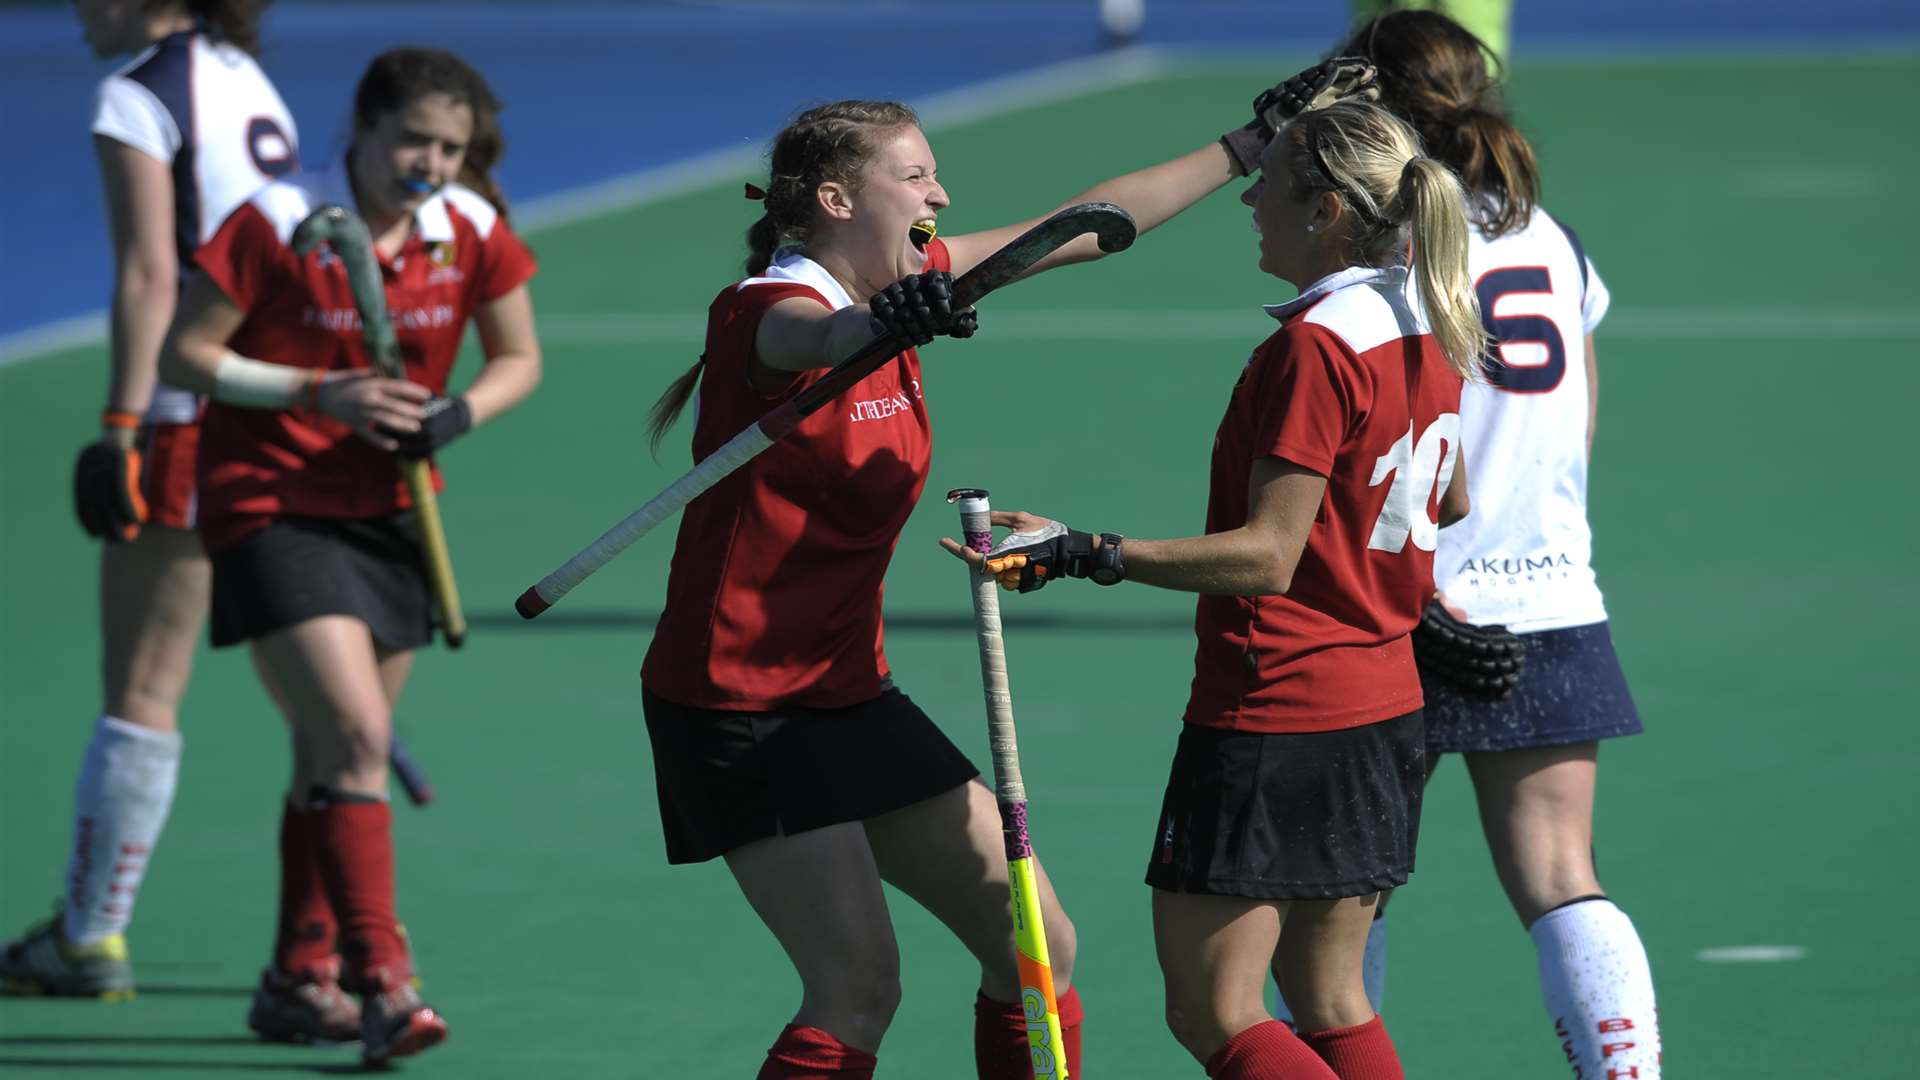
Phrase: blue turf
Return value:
(599, 90)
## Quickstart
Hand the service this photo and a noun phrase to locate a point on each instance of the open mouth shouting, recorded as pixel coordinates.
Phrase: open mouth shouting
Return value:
(922, 231)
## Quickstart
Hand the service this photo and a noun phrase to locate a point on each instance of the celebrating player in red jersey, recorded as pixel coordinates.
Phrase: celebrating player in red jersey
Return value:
(780, 741)
(1295, 791)
(184, 132)
(1524, 561)
(302, 508)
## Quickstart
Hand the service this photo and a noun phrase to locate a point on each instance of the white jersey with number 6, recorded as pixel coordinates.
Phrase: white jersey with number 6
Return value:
(1523, 557)
(206, 110)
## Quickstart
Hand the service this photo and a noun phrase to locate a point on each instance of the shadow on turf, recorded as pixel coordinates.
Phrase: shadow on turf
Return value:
(897, 622)
(117, 1064)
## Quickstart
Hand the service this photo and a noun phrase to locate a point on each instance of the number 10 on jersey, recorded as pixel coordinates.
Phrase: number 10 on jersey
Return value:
(1421, 472)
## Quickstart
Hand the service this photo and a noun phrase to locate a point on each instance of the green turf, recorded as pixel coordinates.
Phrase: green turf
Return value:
(1756, 538)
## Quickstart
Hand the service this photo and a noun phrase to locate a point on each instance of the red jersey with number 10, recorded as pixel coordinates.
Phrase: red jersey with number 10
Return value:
(258, 464)
(1353, 388)
(774, 595)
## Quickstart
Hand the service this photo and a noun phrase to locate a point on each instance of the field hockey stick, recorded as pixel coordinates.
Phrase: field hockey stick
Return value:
(1010, 791)
(413, 779)
(1112, 227)
(343, 230)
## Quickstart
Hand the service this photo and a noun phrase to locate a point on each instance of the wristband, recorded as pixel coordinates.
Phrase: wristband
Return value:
(1108, 568)
(115, 419)
(310, 393)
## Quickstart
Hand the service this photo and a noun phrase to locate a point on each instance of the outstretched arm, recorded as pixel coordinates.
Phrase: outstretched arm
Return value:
(1256, 559)
(1152, 195)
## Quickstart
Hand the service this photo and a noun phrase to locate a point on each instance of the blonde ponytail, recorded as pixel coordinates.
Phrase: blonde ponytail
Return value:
(1433, 204)
(1400, 198)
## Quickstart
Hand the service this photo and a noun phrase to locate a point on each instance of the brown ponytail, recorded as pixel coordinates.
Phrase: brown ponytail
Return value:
(1435, 75)
(666, 410)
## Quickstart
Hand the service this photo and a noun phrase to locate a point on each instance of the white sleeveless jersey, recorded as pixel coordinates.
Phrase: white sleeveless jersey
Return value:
(204, 108)
(1523, 556)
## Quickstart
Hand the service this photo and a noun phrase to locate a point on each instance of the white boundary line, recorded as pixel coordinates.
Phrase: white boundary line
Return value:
(1041, 86)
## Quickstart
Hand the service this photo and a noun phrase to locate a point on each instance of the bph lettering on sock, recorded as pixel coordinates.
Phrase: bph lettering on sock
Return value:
(1599, 990)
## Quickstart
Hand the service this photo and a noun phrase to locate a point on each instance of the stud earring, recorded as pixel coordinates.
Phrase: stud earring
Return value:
(1309, 228)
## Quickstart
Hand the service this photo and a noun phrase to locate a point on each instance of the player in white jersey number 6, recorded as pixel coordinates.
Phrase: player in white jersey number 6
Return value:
(1523, 560)
(184, 132)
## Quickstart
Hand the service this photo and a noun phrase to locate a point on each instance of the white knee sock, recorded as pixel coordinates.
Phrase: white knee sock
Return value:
(1599, 991)
(120, 804)
(1373, 970)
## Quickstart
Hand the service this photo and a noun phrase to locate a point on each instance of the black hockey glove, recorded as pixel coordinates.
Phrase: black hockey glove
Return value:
(445, 419)
(106, 492)
(1027, 561)
(1481, 661)
(1316, 87)
(916, 308)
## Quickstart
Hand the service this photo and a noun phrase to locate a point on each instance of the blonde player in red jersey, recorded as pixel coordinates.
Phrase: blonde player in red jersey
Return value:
(1294, 798)
(184, 132)
(1524, 561)
(314, 563)
(780, 742)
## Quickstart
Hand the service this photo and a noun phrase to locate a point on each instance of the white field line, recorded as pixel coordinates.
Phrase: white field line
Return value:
(1041, 86)
(1250, 325)
(1750, 954)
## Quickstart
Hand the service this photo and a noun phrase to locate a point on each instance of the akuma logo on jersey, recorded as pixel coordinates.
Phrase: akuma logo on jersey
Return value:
(1507, 571)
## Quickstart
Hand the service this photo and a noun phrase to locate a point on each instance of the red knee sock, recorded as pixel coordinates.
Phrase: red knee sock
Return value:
(356, 863)
(1357, 1053)
(807, 1053)
(1000, 1050)
(1267, 1051)
(304, 940)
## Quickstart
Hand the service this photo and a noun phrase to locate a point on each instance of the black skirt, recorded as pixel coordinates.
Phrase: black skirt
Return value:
(1571, 691)
(730, 778)
(300, 568)
(1308, 816)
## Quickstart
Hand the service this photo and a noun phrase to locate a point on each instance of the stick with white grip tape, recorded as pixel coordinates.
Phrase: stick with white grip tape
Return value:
(1010, 791)
(1112, 227)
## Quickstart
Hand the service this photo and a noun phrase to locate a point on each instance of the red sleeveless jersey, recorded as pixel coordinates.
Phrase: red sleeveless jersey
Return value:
(1352, 388)
(259, 464)
(774, 594)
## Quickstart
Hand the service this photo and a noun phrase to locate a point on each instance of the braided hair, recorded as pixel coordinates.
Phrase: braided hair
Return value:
(829, 143)
(826, 144)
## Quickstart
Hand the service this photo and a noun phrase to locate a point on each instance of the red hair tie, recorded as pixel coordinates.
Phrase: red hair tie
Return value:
(757, 194)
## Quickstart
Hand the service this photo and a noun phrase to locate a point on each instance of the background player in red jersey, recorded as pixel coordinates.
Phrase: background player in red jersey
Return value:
(183, 132)
(1295, 792)
(302, 509)
(780, 741)
(1524, 561)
